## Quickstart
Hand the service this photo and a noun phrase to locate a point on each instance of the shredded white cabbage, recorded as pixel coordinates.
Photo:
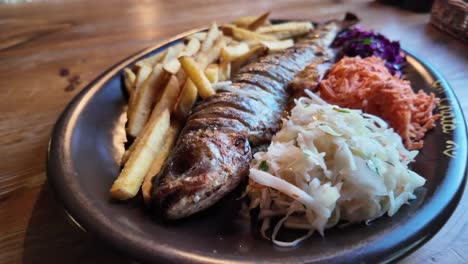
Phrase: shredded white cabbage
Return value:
(328, 164)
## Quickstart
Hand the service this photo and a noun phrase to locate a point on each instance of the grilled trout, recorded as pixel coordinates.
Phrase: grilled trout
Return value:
(213, 152)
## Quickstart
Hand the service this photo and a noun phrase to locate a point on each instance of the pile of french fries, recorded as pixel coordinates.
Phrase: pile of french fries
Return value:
(163, 89)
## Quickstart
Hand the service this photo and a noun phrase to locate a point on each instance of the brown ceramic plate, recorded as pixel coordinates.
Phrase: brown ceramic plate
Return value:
(83, 161)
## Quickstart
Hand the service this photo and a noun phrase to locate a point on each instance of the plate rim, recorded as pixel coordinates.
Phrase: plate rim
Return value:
(56, 169)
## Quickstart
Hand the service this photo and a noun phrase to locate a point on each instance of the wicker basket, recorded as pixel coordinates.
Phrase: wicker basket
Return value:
(451, 16)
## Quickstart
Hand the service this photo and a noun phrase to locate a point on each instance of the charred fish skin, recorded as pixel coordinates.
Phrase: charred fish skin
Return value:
(207, 163)
(213, 152)
(271, 86)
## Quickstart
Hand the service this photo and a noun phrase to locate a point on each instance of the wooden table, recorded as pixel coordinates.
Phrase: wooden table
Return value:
(49, 51)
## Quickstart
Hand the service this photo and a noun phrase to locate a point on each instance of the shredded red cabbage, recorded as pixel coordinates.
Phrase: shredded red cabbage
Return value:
(358, 42)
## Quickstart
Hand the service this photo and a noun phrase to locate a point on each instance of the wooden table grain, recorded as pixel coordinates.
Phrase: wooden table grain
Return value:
(50, 50)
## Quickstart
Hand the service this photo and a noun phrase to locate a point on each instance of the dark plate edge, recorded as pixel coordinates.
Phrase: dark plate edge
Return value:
(462, 158)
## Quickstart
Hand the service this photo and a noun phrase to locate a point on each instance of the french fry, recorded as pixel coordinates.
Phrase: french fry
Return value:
(181, 76)
(212, 73)
(170, 138)
(286, 30)
(140, 104)
(201, 36)
(288, 26)
(173, 66)
(130, 179)
(255, 52)
(144, 99)
(230, 53)
(129, 80)
(275, 46)
(224, 71)
(186, 100)
(244, 22)
(258, 22)
(152, 60)
(195, 73)
(229, 40)
(166, 101)
(142, 74)
(204, 58)
(212, 35)
(126, 154)
(193, 46)
(189, 92)
(172, 53)
(244, 34)
(168, 97)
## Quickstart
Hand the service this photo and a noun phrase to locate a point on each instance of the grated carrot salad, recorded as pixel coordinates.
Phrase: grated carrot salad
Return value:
(367, 84)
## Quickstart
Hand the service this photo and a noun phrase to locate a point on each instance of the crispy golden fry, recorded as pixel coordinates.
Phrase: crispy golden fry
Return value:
(195, 73)
(168, 97)
(170, 138)
(258, 22)
(201, 36)
(192, 50)
(244, 34)
(204, 58)
(288, 26)
(173, 66)
(130, 179)
(142, 74)
(158, 58)
(224, 71)
(244, 22)
(140, 104)
(212, 35)
(212, 73)
(193, 46)
(230, 53)
(186, 100)
(126, 155)
(129, 80)
(255, 52)
(189, 93)
(152, 61)
(181, 76)
(214, 52)
(144, 99)
(275, 46)
(166, 101)
(172, 53)
(228, 30)
(229, 40)
(286, 30)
